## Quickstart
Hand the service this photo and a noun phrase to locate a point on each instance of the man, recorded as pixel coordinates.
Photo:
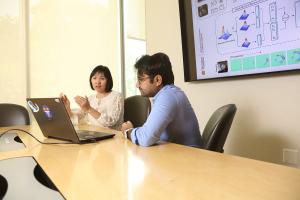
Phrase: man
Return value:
(172, 118)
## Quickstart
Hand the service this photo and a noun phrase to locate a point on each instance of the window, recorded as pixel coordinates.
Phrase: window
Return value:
(134, 41)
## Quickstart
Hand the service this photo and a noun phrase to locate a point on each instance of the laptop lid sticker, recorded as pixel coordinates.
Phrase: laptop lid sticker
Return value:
(33, 106)
(48, 113)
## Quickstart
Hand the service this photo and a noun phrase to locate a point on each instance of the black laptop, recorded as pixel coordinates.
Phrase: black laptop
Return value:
(54, 121)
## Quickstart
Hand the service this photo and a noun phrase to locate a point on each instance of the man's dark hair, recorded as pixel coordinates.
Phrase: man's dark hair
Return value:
(105, 71)
(157, 64)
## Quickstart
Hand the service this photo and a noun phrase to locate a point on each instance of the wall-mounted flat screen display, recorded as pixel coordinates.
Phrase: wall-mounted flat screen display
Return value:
(225, 38)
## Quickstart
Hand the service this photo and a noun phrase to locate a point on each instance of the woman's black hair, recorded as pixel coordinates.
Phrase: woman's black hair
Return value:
(105, 71)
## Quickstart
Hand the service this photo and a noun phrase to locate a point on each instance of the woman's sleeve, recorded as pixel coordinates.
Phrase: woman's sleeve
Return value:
(78, 116)
(113, 113)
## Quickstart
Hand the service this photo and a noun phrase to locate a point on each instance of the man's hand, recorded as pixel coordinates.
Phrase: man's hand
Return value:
(126, 125)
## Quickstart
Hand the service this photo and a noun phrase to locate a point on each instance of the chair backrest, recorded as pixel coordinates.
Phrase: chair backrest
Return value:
(13, 114)
(136, 109)
(216, 130)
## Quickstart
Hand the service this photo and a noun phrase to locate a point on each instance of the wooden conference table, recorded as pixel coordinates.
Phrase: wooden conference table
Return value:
(117, 169)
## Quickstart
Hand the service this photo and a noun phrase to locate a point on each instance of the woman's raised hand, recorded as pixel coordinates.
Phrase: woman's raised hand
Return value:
(83, 102)
(66, 102)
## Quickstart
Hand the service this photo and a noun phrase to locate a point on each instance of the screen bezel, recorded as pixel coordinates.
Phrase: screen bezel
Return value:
(188, 49)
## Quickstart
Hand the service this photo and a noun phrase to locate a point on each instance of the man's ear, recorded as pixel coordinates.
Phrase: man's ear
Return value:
(158, 80)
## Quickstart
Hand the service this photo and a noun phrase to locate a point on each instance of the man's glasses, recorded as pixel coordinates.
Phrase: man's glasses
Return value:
(142, 79)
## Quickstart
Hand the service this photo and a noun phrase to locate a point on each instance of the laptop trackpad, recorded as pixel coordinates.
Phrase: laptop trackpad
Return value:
(87, 134)
(84, 134)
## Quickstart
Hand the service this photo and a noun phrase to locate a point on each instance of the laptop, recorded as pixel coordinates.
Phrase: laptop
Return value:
(54, 121)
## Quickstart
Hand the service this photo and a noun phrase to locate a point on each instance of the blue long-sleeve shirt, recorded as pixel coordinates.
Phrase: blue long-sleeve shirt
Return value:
(171, 119)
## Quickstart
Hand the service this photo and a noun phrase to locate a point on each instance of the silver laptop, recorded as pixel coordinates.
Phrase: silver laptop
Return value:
(54, 121)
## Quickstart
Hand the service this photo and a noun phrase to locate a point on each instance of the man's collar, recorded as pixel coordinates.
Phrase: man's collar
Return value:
(161, 90)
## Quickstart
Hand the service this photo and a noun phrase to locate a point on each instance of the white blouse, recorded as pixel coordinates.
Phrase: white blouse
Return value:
(111, 108)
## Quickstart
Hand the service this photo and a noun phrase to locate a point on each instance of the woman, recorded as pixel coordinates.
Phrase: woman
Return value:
(105, 108)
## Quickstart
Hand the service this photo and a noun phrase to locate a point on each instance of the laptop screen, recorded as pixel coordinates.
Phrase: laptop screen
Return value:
(54, 121)
(52, 118)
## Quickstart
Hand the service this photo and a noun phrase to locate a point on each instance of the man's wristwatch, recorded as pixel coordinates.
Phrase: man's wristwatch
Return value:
(127, 133)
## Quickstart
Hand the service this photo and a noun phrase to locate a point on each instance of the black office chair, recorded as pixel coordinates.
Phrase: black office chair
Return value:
(13, 114)
(136, 110)
(217, 128)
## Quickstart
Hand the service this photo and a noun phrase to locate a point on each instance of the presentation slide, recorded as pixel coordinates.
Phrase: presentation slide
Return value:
(239, 37)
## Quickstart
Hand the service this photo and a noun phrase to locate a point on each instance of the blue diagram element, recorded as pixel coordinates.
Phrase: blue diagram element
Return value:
(244, 16)
(246, 44)
(280, 58)
(245, 27)
(225, 36)
(266, 62)
(297, 53)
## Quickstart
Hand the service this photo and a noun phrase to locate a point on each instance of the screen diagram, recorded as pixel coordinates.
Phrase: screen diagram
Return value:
(237, 37)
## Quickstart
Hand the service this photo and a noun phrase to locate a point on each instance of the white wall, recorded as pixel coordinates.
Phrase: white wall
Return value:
(12, 66)
(67, 39)
(268, 114)
(64, 41)
(135, 19)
